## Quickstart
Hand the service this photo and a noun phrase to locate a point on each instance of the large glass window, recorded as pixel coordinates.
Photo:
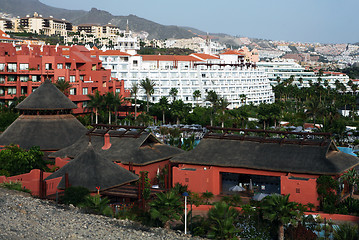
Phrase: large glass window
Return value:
(11, 67)
(84, 91)
(24, 78)
(35, 78)
(11, 90)
(72, 78)
(24, 66)
(59, 66)
(72, 91)
(2, 67)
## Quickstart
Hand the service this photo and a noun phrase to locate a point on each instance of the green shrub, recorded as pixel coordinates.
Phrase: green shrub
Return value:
(96, 204)
(75, 195)
(14, 186)
(17, 161)
(222, 219)
(4, 173)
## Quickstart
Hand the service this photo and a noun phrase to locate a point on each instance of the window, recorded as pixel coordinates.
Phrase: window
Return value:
(11, 78)
(48, 66)
(81, 78)
(2, 78)
(72, 91)
(118, 90)
(68, 65)
(135, 63)
(59, 66)
(2, 67)
(24, 78)
(84, 104)
(84, 91)
(11, 67)
(24, 66)
(61, 79)
(35, 78)
(72, 78)
(11, 90)
(2, 91)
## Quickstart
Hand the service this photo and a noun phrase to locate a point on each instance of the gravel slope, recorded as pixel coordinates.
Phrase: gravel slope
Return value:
(25, 217)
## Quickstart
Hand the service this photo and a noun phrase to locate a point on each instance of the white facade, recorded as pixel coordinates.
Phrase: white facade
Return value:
(286, 68)
(190, 73)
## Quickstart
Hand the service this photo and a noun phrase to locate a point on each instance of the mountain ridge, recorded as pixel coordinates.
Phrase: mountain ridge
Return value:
(137, 24)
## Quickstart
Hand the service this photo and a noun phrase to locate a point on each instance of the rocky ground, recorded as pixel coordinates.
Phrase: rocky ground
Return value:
(25, 217)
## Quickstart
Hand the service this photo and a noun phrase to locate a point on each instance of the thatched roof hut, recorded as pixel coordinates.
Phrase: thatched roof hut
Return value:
(90, 170)
(45, 121)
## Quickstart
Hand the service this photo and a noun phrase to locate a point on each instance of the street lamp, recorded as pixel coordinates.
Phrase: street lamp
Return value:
(185, 194)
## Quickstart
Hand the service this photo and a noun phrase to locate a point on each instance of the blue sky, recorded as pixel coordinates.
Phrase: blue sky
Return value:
(325, 21)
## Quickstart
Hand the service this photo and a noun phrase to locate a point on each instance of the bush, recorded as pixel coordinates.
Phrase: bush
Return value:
(346, 231)
(75, 195)
(96, 204)
(17, 161)
(222, 219)
(4, 173)
(14, 186)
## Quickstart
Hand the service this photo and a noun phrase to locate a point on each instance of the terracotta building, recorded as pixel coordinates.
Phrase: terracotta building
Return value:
(23, 68)
(266, 165)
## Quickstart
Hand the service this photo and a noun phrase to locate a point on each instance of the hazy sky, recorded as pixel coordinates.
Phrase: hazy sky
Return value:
(325, 21)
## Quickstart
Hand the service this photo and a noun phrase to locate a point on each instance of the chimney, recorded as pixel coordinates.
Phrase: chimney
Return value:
(107, 144)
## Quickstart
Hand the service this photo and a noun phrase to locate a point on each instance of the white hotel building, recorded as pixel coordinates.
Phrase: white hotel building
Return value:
(284, 68)
(228, 74)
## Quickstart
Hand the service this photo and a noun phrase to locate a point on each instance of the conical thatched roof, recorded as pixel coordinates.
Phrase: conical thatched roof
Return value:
(49, 132)
(46, 97)
(90, 170)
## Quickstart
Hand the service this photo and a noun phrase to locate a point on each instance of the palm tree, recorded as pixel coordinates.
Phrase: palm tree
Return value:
(279, 210)
(96, 101)
(352, 178)
(222, 219)
(63, 86)
(212, 97)
(134, 91)
(179, 110)
(148, 86)
(240, 116)
(108, 102)
(346, 231)
(118, 100)
(314, 108)
(173, 93)
(222, 107)
(163, 106)
(207, 196)
(167, 206)
(196, 95)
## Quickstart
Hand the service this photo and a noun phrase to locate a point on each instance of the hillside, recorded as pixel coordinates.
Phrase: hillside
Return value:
(24, 7)
(137, 24)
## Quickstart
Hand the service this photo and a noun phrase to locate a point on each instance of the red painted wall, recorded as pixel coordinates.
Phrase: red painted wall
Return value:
(301, 191)
(202, 180)
(150, 168)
